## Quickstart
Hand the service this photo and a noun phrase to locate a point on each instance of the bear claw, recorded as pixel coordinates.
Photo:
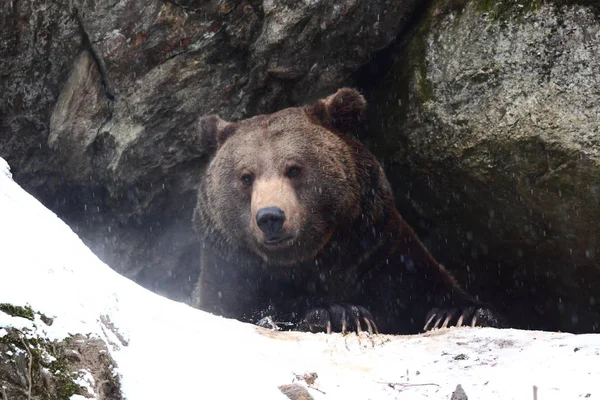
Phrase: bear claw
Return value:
(471, 316)
(342, 318)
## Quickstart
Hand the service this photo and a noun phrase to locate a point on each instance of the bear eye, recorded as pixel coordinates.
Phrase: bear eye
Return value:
(292, 172)
(247, 179)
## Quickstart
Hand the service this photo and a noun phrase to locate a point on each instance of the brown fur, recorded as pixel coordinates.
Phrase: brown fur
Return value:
(349, 247)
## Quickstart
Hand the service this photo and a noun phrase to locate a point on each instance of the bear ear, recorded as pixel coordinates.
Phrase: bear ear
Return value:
(345, 110)
(214, 132)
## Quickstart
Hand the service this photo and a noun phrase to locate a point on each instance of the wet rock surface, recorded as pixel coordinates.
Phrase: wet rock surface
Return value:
(488, 125)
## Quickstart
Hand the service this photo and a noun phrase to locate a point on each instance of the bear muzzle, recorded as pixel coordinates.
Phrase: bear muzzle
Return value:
(270, 220)
(275, 209)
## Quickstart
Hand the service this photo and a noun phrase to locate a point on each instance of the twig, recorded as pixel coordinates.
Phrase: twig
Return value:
(29, 368)
(309, 379)
(4, 395)
(317, 389)
(406, 385)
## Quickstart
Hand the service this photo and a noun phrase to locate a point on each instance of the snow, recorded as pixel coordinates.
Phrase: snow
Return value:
(166, 349)
(86, 380)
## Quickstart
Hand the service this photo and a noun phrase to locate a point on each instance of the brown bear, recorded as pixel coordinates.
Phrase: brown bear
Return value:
(298, 226)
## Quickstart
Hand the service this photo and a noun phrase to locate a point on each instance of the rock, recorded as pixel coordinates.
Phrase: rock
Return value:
(459, 393)
(488, 126)
(295, 391)
(100, 99)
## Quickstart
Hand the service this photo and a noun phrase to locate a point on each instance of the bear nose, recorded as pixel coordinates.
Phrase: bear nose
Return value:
(270, 220)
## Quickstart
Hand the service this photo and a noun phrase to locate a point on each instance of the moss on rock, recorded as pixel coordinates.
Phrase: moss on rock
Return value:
(51, 376)
(50, 369)
(17, 311)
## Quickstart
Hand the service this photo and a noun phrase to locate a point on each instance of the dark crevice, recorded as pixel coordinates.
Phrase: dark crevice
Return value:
(87, 45)
(370, 75)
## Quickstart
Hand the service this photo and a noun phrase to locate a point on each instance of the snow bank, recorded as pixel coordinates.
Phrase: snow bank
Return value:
(168, 350)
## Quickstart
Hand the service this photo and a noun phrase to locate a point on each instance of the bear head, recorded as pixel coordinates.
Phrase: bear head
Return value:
(278, 186)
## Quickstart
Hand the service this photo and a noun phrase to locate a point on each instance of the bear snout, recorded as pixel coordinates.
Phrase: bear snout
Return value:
(270, 220)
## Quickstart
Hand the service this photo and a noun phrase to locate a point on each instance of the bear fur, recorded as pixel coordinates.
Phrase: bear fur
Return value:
(332, 253)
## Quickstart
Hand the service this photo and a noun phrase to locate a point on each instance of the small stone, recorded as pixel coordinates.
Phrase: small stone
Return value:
(295, 391)
(459, 394)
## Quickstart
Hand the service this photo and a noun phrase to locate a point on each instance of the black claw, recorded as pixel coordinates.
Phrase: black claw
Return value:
(354, 313)
(449, 317)
(469, 316)
(437, 321)
(342, 318)
(430, 316)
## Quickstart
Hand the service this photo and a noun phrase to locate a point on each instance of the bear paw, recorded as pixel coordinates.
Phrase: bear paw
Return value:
(469, 316)
(342, 318)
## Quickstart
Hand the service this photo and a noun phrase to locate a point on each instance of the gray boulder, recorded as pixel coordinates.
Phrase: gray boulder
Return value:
(489, 126)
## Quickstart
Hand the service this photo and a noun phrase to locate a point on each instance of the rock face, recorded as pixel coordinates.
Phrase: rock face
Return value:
(100, 98)
(488, 123)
